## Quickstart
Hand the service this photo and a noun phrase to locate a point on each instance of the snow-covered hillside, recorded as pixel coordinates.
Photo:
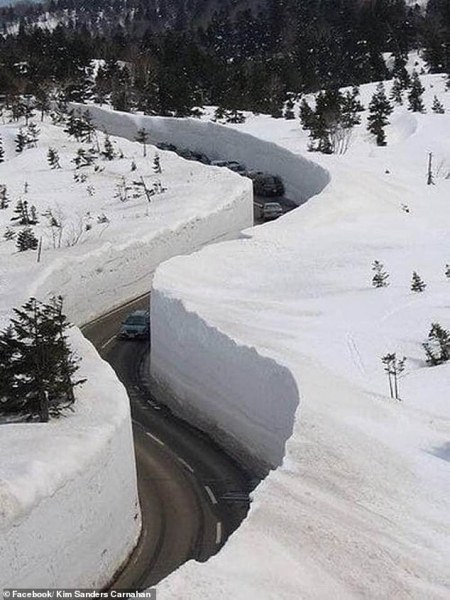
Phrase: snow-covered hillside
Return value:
(62, 484)
(360, 507)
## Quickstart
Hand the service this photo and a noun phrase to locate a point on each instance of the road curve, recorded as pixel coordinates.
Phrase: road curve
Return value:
(192, 495)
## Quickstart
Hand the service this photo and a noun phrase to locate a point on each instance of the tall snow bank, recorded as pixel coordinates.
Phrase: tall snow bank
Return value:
(302, 177)
(69, 513)
(219, 394)
(63, 484)
(360, 507)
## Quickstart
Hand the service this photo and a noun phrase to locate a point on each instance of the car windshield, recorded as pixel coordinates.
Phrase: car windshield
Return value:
(135, 320)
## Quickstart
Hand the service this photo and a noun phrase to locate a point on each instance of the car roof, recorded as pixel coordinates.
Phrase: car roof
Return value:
(139, 313)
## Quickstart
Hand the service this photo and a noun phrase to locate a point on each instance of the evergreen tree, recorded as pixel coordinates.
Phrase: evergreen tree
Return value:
(415, 94)
(289, 114)
(4, 198)
(26, 240)
(84, 158)
(380, 278)
(157, 164)
(417, 285)
(108, 149)
(37, 365)
(447, 271)
(53, 158)
(133, 165)
(437, 106)
(2, 151)
(143, 138)
(379, 111)
(396, 92)
(306, 115)
(9, 234)
(437, 348)
(394, 367)
(21, 141)
(32, 135)
(22, 215)
(33, 215)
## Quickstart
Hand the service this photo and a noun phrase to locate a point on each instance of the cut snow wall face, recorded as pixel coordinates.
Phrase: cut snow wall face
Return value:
(302, 178)
(114, 274)
(245, 401)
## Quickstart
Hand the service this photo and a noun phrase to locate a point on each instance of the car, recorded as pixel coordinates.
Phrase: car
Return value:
(271, 210)
(266, 185)
(136, 325)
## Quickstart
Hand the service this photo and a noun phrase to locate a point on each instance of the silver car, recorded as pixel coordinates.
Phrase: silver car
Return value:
(136, 325)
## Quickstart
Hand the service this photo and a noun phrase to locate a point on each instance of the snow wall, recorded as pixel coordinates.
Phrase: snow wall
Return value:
(215, 383)
(302, 178)
(57, 507)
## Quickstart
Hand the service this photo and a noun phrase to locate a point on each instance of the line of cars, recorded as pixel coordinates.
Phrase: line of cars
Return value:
(265, 185)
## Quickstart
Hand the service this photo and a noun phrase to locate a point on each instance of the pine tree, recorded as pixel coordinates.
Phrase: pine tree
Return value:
(108, 149)
(4, 198)
(289, 114)
(415, 94)
(447, 271)
(9, 234)
(380, 278)
(26, 240)
(379, 110)
(21, 213)
(307, 116)
(143, 138)
(32, 135)
(157, 164)
(33, 215)
(397, 92)
(437, 348)
(133, 165)
(37, 365)
(53, 158)
(84, 158)
(437, 106)
(2, 151)
(21, 141)
(417, 285)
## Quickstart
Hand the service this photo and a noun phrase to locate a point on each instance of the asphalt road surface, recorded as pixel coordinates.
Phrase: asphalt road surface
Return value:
(259, 201)
(192, 495)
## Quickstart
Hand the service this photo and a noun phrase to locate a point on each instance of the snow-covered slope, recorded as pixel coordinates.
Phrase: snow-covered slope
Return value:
(360, 507)
(69, 514)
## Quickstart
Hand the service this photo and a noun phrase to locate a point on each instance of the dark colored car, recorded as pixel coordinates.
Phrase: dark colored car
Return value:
(136, 325)
(266, 185)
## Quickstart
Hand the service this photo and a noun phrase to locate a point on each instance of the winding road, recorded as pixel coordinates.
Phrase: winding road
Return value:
(192, 495)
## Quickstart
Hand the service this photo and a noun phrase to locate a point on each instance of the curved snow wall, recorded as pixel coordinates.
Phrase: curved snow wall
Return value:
(302, 178)
(59, 497)
(69, 511)
(215, 383)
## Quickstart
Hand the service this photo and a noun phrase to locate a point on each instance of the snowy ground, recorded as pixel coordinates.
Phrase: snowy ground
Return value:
(360, 507)
(62, 484)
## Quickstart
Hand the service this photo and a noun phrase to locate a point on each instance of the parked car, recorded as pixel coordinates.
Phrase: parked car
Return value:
(136, 325)
(266, 185)
(230, 164)
(271, 210)
(166, 146)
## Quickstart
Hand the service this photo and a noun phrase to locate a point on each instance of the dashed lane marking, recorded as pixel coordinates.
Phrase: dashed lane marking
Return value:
(218, 532)
(185, 464)
(103, 346)
(154, 438)
(210, 494)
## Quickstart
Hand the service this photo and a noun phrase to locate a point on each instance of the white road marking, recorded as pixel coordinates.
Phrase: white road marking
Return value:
(218, 532)
(210, 494)
(185, 464)
(103, 346)
(156, 439)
